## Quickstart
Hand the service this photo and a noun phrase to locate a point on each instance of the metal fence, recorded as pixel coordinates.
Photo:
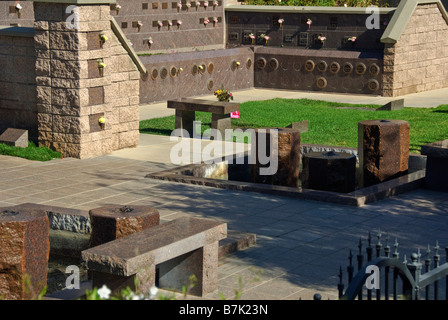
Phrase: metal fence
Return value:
(385, 276)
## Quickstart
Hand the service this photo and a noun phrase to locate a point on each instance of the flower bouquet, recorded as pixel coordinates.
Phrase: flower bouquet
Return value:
(223, 94)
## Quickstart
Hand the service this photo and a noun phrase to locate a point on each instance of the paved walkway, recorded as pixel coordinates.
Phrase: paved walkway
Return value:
(300, 244)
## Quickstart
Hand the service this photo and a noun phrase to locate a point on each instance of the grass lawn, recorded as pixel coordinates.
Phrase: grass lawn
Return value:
(32, 152)
(334, 124)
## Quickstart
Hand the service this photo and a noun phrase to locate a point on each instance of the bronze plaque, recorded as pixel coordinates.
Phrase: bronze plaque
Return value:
(321, 82)
(173, 72)
(334, 67)
(94, 124)
(374, 69)
(96, 96)
(361, 68)
(273, 64)
(210, 67)
(93, 41)
(249, 63)
(210, 85)
(93, 69)
(373, 85)
(347, 68)
(261, 63)
(154, 74)
(309, 65)
(163, 73)
(322, 66)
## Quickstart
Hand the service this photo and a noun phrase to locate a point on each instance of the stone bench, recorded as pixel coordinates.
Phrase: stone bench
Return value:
(186, 108)
(179, 249)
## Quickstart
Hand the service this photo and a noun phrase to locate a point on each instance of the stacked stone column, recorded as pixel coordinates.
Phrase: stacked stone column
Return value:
(83, 74)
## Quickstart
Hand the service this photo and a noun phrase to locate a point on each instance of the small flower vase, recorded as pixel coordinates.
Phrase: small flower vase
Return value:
(102, 122)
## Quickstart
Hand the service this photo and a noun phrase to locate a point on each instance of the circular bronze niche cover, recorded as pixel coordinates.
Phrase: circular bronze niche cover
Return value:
(347, 68)
(144, 76)
(334, 67)
(374, 69)
(361, 68)
(248, 63)
(233, 65)
(373, 85)
(322, 66)
(195, 69)
(261, 63)
(273, 64)
(173, 72)
(210, 85)
(309, 65)
(163, 73)
(210, 67)
(321, 82)
(154, 74)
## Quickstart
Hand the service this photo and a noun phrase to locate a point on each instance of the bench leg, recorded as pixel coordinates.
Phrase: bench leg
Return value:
(201, 263)
(221, 122)
(145, 280)
(184, 120)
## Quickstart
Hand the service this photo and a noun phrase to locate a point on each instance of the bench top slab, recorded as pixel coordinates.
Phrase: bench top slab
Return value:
(128, 255)
(217, 107)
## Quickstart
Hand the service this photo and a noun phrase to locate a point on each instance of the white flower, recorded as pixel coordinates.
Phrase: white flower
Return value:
(104, 292)
(345, 5)
(153, 291)
(18, 6)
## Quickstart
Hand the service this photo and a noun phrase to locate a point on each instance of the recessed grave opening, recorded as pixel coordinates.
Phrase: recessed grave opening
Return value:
(234, 174)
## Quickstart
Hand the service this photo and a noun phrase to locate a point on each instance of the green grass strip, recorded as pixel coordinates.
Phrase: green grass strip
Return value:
(334, 124)
(32, 152)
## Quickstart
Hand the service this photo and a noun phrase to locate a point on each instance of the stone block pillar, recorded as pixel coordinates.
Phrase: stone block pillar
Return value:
(83, 74)
(24, 253)
(111, 222)
(383, 150)
(281, 148)
(329, 171)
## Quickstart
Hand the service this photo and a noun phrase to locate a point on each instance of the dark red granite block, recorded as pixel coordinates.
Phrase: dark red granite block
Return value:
(383, 150)
(282, 146)
(111, 222)
(329, 171)
(24, 253)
